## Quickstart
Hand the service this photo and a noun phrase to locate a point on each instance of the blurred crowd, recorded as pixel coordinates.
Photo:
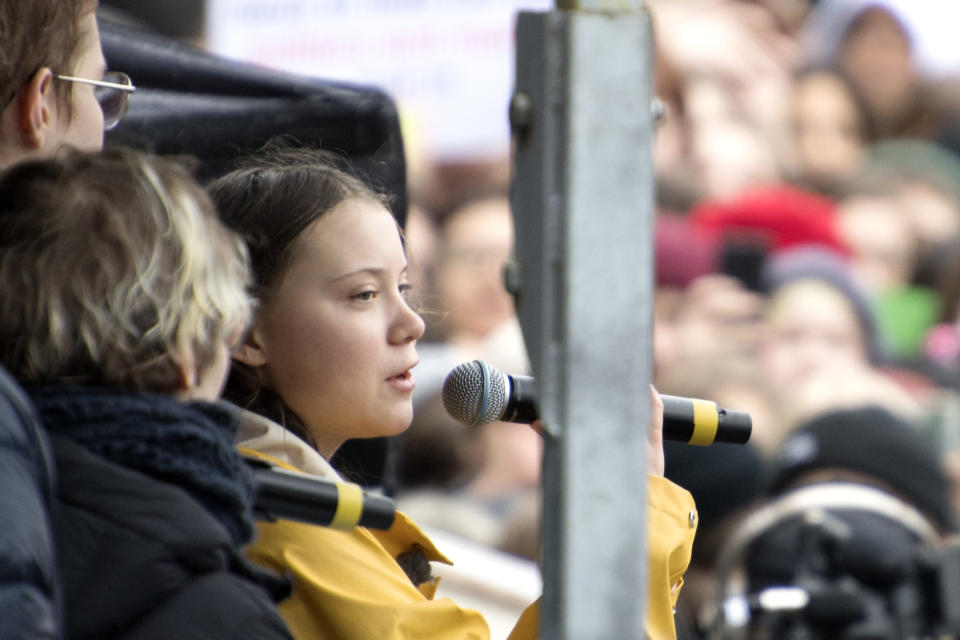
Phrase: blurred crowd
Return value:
(807, 272)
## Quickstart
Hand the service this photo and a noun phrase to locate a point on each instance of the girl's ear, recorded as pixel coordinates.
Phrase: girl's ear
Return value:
(250, 350)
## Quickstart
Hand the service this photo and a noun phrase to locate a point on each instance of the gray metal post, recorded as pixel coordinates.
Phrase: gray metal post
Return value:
(582, 196)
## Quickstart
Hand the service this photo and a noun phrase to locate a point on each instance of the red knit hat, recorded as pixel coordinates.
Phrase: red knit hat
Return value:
(783, 215)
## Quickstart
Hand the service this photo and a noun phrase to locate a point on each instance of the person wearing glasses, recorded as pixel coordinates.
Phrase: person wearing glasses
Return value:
(54, 92)
(54, 84)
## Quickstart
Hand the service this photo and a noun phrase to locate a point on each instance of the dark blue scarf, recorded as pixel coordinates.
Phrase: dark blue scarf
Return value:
(190, 445)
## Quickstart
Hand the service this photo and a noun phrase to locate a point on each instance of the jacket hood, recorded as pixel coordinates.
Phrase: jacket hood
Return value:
(266, 436)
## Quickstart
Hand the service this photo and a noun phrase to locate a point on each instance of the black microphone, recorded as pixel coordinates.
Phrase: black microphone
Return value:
(290, 495)
(476, 393)
(828, 606)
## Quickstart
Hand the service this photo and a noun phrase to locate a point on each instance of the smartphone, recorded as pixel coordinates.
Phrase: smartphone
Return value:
(743, 258)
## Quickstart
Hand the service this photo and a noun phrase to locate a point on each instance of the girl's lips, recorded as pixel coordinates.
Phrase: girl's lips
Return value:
(403, 381)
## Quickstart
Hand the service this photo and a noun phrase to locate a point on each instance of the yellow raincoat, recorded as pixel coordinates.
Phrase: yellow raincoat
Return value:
(671, 526)
(347, 584)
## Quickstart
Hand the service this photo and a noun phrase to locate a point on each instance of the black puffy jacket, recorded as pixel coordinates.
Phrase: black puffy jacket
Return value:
(140, 559)
(29, 603)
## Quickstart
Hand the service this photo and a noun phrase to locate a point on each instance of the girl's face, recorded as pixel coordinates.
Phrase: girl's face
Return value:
(336, 337)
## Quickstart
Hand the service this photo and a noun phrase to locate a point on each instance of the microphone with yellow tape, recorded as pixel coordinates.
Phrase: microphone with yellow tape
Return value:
(282, 494)
(702, 422)
(476, 393)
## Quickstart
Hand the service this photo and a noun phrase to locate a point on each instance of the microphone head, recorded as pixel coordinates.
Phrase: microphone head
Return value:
(475, 393)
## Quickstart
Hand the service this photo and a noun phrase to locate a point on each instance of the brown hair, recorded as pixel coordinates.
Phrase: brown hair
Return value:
(35, 34)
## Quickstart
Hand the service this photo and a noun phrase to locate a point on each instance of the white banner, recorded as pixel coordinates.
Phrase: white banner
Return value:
(447, 63)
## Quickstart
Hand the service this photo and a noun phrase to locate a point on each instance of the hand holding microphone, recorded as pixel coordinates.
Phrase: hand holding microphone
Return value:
(476, 393)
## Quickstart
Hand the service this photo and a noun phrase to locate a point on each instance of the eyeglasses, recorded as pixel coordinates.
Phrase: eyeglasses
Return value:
(113, 94)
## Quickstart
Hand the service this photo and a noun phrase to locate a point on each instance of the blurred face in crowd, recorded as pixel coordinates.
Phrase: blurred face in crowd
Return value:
(876, 54)
(732, 156)
(827, 128)
(728, 152)
(336, 337)
(788, 14)
(933, 214)
(812, 328)
(882, 239)
(476, 246)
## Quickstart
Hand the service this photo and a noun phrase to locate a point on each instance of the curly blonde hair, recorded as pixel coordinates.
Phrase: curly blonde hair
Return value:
(114, 270)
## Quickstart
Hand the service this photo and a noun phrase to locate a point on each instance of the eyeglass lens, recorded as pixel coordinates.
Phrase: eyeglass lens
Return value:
(113, 102)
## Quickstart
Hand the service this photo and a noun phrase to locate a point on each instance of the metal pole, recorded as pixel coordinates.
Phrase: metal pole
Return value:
(582, 197)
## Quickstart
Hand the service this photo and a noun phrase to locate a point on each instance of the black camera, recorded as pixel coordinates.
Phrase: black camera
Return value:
(842, 561)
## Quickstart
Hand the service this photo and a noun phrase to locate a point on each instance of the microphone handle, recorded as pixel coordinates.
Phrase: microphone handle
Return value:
(290, 495)
(702, 422)
(689, 420)
(521, 405)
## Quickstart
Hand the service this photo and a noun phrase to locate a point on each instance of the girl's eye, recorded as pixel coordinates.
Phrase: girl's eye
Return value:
(405, 289)
(365, 296)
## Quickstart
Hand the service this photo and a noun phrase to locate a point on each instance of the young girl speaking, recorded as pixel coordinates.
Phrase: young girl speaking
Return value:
(330, 356)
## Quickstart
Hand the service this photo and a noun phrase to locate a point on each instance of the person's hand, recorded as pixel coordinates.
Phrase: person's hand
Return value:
(655, 459)
(537, 426)
(734, 42)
